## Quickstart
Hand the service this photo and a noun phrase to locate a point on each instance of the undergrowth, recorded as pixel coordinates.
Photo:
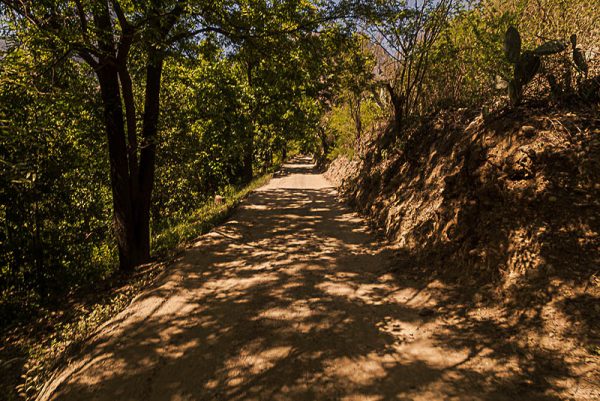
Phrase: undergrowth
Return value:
(32, 352)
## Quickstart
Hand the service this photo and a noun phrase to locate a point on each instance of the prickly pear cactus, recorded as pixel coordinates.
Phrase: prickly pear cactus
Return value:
(526, 68)
(551, 47)
(512, 44)
(527, 64)
(578, 56)
(514, 93)
(580, 62)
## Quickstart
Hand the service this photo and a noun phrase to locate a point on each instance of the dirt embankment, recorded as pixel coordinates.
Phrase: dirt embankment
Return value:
(504, 208)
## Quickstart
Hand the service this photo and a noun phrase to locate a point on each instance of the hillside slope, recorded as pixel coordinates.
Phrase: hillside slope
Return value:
(505, 210)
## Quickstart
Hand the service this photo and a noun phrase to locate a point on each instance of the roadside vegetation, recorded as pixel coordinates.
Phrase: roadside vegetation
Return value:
(35, 347)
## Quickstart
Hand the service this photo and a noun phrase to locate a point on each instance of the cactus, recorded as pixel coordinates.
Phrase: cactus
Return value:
(580, 61)
(552, 47)
(573, 40)
(578, 56)
(525, 69)
(555, 88)
(527, 63)
(512, 44)
(513, 93)
(589, 89)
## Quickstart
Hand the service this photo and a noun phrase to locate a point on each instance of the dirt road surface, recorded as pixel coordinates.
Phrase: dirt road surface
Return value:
(289, 300)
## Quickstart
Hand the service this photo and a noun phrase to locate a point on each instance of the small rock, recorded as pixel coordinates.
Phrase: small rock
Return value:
(519, 166)
(528, 131)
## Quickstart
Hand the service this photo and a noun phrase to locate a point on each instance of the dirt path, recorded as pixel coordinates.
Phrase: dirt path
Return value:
(286, 301)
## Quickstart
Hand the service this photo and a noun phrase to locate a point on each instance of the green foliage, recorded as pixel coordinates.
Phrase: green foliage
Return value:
(341, 131)
(52, 225)
(180, 231)
(240, 84)
(340, 128)
(203, 125)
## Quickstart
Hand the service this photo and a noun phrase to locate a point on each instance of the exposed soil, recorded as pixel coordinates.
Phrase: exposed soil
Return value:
(291, 300)
(503, 208)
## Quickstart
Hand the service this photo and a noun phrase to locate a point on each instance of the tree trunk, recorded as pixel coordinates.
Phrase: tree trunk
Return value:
(148, 156)
(247, 170)
(131, 183)
(355, 111)
(398, 105)
(119, 170)
(324, 142)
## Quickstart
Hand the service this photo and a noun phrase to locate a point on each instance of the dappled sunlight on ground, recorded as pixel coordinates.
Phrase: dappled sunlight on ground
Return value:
(287, 301)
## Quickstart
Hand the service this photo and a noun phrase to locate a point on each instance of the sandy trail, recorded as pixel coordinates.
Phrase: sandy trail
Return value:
(284, 302)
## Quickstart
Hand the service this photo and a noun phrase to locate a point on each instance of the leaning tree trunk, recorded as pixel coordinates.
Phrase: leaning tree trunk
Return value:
(393, 132)
(398, 105)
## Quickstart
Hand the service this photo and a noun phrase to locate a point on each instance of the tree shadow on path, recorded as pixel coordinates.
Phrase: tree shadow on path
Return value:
(286, 302)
